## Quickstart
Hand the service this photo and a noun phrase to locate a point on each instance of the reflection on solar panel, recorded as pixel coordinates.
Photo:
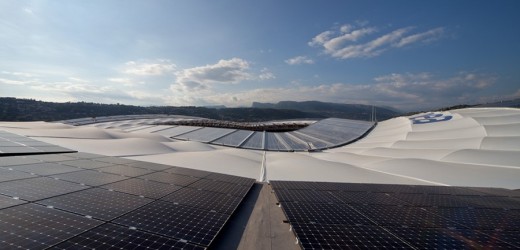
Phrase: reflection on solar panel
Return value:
(350, 215)
(13, 144)
(323, 134)
(43, 203)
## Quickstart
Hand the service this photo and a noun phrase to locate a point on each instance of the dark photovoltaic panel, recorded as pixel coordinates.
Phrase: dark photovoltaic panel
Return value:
(175, 179)
(330, 236)
(422, 217)
(221, 187)
(8, 174)
(97, 203)
(32, 226)
(497, 192)
(206, 200)
(150, 189)
(52, 157)
(46, 168)
(323, 213)
(9, 202)
(304, 196)
(177, 221)
(114, 160)
(89, 177)
(124, 170)
(86, 164)
(110, 236)
(445, 238)
(149, 165)
(231, 179)
(16, 160)
(57, 190)
(38, 188)
(188, 172)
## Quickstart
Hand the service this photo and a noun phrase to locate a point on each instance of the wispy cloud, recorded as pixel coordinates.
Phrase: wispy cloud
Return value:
(154, 68)
(299, 60)
(357, 41)
(265, 74)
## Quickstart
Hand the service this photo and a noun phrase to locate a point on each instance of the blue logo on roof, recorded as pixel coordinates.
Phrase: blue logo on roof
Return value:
(430, 118)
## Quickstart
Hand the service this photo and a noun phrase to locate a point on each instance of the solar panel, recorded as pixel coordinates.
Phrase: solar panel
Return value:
(175, 179)
(255, 141)
(149, 165)
(9, 202)
(89, 177)
(221, 187)
(150, 189)
(327, 236)
(305, 196)
(38, 188)
(31, 226)
(404, 216)
(86, 164)
(124, 170)
(97, 203)
(447, 190)
(8, 174)
(323, 213)
(164, 218)
(16, 160)
(52, 157)
(426, 200)
(110, 236)
(368, 198)
(82, 155)
(45, 168)
(114, 160)
(188, 172)
(12, 144)
(491, 202)
(497, 192)
(480, 218)
(440, 238)
(231, 179)
(209, 201)
(234, 139)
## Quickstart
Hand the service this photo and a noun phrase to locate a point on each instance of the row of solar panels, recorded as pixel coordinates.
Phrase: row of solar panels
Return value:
(371, 216)
(327, 133)
(86, 201)
(13, 144)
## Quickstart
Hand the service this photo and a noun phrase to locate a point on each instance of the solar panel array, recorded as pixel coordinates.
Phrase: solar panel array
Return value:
(13, 144)
(352, 215)
(86, 201)
(327, 133)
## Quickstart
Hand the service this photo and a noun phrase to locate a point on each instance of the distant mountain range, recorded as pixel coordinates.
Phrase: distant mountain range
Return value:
(338, 110)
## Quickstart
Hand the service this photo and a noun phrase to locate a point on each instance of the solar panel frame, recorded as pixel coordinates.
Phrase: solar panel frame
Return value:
(86, 164)
(90, 177)
(175, 179)
(323, 213)
(188, 172)
(45, 168)
(111, 236)
(9, 174)
(136, 186)
(98, 203)
(205, 200)
(221, 187)
(177, 221)
(16, 160)
(231, 179)
(124, 170)
(40, 227)
(38, 188)
(6, 202)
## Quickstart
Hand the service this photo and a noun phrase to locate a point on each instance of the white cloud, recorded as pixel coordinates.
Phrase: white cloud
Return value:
(265, 74)
(345, 42)
(156, 68)
(232, 71)
(19, 74)
(427, 36)
(76, 79)
(13, 82)
(299, 60)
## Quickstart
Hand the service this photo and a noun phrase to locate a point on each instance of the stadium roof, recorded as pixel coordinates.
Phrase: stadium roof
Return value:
(404, 166)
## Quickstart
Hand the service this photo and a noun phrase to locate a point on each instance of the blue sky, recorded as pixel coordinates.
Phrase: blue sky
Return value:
(405, 54)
